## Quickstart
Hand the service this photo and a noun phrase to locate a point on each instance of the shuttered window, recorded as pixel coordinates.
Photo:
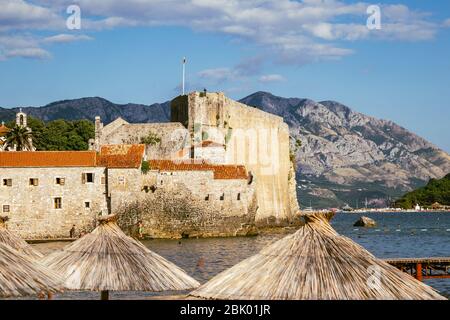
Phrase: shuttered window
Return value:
(57, 202)
(34, 182)
(87, 177)
(7, 182)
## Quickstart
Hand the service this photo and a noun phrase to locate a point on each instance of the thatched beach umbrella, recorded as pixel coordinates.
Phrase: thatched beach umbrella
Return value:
(20, 275)
(108, 260)
(16, 242)
(315, 263)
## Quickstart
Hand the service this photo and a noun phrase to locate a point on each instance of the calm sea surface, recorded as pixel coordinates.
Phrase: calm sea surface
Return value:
(397, 235)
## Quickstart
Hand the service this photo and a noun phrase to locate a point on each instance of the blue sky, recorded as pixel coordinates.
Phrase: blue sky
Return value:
(130, 51)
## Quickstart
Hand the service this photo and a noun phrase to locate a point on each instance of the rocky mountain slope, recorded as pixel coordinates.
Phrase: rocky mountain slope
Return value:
(344, 157)
(88, 108)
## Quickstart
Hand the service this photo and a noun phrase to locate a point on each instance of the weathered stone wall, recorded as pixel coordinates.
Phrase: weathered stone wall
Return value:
(173, 137)
(124, 186)
(253, 138)
(187, 204)
(32, 213)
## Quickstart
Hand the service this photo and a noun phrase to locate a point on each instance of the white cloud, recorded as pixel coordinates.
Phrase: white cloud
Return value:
(21, 15)
(30, 46)
(290, 31)
(271, 78)
(32, 53)
(62, 38)
(219, 75)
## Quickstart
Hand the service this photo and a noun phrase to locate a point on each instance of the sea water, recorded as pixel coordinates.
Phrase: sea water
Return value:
(397, 235)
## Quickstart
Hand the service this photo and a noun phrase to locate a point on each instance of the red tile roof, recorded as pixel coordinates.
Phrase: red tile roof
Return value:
(121, 156)
(4, 130)
(19, 159)
(220, 171)
(111, 156)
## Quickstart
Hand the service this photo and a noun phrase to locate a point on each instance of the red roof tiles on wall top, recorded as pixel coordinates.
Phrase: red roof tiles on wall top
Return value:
(220, 171)
(112, 156)
(19, 159)
(121, 156)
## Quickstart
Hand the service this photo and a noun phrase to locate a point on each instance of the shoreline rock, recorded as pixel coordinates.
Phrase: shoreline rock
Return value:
(365, 222)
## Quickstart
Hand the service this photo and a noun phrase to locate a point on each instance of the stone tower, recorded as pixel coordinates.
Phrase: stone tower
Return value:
(251, 137)
(22, 122)
(21, 119)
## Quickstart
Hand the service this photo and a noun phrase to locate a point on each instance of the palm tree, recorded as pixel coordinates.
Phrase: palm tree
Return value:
(19, 137)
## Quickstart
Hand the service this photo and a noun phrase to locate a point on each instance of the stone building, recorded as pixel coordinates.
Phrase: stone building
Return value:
(216, 129)
(45, 193)
(219, 168)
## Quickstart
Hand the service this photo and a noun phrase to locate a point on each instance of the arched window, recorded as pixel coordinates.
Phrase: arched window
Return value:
(21, 120)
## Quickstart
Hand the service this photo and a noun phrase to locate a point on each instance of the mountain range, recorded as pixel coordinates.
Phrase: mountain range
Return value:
(342, 156)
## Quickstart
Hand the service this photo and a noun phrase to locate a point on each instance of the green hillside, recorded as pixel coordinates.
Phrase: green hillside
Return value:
(434, 191)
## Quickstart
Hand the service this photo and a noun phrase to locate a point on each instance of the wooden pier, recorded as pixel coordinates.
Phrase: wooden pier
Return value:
(423, 268)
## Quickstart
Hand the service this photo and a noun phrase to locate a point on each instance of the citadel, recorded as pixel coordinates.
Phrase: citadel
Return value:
(219, 168)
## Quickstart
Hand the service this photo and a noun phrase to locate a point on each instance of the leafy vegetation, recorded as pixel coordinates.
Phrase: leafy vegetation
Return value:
(151, 139)
(434, 191)
(145, 167)
(19, 137)
(60, 134)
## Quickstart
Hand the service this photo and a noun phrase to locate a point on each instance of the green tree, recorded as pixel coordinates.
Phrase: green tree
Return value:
(19, 137)
(434, 191)
(59, 134)
(151, 139)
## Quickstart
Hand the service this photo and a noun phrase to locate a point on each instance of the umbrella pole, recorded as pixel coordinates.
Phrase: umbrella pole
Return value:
(104, 295)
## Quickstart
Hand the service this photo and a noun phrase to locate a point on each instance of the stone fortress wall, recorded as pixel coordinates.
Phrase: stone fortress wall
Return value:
(251, 137)
(30, 205)
(252, 182)
(187, 204)
(172, 136)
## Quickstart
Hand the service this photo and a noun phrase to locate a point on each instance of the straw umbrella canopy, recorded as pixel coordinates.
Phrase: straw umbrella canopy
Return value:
(315, 263)
(16, 242)
(108, 260)
(20, 275)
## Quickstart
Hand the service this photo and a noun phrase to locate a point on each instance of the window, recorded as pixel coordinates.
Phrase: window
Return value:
(61, 181)
(87, 177)
(103, 180)
(6, 208)
(34, 182)
(7, 182)
(87, 204)
(207, 198)
(239, 196)
(222, 197)
(57, 203)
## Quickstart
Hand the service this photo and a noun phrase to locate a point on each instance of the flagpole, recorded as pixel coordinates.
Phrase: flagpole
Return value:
(184, 72)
